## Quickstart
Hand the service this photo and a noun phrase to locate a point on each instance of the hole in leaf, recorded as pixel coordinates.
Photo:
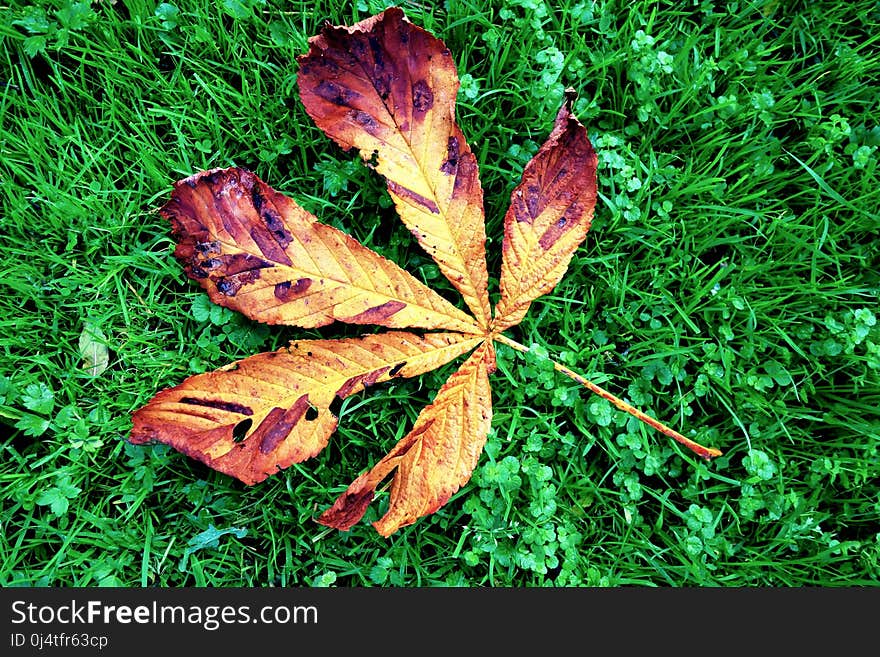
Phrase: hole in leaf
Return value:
(336, 405)
(394, 371)
(239, 431)
(312, 413)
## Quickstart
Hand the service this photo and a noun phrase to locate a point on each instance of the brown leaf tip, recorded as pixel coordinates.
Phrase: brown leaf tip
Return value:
(347, 511)
(210, 202)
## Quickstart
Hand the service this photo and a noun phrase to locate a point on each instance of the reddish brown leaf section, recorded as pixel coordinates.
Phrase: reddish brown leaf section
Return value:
(549, 216)
(433, 460)
(388, 88)
(256, 251)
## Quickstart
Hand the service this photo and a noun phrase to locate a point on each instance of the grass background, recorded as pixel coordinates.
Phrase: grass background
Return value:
(728, 287)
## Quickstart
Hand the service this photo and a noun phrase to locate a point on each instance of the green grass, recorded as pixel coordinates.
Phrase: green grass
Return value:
(728, 287)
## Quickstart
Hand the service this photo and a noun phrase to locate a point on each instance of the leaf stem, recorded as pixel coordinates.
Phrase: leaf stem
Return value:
(706, 452)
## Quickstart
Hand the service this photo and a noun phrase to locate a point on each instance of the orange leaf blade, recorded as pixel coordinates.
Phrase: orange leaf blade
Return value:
(268, 411)
(549, 216)
(258, 252)
(433, 460)
(388, 88)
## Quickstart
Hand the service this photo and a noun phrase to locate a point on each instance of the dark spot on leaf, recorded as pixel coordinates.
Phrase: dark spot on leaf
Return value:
(239, 431)
(289, 290)
(559, 177)
(451, 164)
(520, 209)
(383, 86)
(239, 263)
(374, 376)
(348, 387)
(358, 47)
(228, 286)
(414, 199)
(466, 175)
(533, 200)
(219, 404)
(563, 224)
(394, 371)
(364, 120)
(248, 276)
(332, 92)
(277, 425)
(233, 271)
(269, 245)
(377, 314)
(195, 271)
(378, 53)
(422, 96)
(256, 198)
(273, 430)
(219, 176)
(270, 216)
(208, 249)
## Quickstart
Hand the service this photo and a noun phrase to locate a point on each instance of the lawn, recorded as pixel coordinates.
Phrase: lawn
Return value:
(728, 287)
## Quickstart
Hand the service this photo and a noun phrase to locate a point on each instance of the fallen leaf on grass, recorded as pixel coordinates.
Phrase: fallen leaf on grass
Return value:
(385, 88)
